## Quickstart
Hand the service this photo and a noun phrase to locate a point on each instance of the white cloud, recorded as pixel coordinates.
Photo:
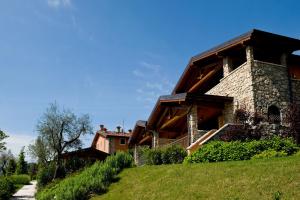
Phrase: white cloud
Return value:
(16, 141)
(153, 83)
(138, 73)
(59, 3)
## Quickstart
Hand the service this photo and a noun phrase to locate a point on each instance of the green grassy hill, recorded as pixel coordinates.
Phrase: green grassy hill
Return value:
(277, 178)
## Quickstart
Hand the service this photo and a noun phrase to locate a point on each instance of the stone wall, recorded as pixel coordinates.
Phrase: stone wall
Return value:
(296, 91)
(237, 84)
(270, 86)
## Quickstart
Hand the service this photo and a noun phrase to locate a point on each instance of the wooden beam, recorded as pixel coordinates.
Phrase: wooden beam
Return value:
(161, 117)
(145, 139)
(172, 121)
(205, 78)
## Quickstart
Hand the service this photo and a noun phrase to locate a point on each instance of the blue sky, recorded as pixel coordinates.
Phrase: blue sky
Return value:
(112, 59)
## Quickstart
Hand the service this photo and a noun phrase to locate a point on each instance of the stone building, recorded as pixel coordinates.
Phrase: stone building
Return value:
(257, 70)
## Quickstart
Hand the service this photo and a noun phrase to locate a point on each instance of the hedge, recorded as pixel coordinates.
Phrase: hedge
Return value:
(216, 151)
(7, 187)
(21, 179)
(171, 155)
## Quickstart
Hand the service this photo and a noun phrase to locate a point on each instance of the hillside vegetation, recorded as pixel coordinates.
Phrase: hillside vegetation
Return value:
(276, 178)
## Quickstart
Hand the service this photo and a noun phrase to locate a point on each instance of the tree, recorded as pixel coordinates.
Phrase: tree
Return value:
(2, 137)
(4, 160)
(21, 164)
(61, 130)
(41, 150)
(11, 166)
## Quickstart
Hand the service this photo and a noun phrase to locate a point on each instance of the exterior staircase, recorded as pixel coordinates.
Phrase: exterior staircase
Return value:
(208, 136)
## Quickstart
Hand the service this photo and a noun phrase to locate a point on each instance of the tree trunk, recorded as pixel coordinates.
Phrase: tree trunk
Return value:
(59, 171)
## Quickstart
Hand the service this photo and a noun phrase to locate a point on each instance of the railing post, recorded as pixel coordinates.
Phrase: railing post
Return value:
(192, 122)
(155, 139)
(135, 155)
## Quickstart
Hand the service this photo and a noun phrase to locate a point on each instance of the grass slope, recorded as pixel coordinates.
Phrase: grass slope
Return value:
(254, 179)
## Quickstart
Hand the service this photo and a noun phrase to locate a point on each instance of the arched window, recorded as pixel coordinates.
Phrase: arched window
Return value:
(274, 115)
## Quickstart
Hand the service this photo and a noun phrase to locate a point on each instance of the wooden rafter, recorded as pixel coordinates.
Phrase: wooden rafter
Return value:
(172, 121)
(145, 139)
(205, 78)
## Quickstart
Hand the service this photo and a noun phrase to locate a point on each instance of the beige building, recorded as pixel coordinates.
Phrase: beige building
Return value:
(111, 141)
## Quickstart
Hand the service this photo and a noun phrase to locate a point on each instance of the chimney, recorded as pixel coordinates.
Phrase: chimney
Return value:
(118, 129)
(101, 127)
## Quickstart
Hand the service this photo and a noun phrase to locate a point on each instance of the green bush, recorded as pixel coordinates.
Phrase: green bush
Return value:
(173, 155)
(271, 153)
(45, 174)
(154, 157)
(216, 151)
(7, 187)
(93, 179)
(170, 155)
(22, 179)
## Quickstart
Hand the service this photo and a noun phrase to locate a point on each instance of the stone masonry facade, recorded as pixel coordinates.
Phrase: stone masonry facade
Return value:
(237, 84)
(296, 91)
(257, 85)
(270, 86)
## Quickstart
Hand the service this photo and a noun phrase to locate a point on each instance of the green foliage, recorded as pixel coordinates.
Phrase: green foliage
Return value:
(277, 195)
(11, 166)
(22, 179)
(2, 137)
(32, 170)
(153, 157)
(45, 174)
(93, 179)
(21, 164)
(216, 151)
(173, 155)
(7, 187)
(41, 150)
(270, 153)
(170, 155)
(59, 131)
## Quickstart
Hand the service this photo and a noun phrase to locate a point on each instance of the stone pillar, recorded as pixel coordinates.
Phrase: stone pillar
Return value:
(155, 139)
(192, 122)
(249, 54)
(283, 59)
(227, 66)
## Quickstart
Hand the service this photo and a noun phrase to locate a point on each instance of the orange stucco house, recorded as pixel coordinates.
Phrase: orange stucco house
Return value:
(111, 141)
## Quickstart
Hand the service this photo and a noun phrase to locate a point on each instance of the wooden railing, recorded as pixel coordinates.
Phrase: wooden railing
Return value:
(184, 142)
(210, 135)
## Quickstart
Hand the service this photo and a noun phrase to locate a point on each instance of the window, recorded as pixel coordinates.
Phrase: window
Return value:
(122, 141)
(274, 115)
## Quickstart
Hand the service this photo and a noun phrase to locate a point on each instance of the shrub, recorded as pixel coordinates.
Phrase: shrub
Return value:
(216, 151)
(170, 155)
(21, 179)
(7, 188)
(93, 179)
(154, 157)
(173, 155)
(271, 153)
(45, 174)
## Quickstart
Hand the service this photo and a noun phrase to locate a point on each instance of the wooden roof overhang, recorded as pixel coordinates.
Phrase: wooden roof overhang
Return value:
(138, 132)
(171, 109)
(213, 57)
